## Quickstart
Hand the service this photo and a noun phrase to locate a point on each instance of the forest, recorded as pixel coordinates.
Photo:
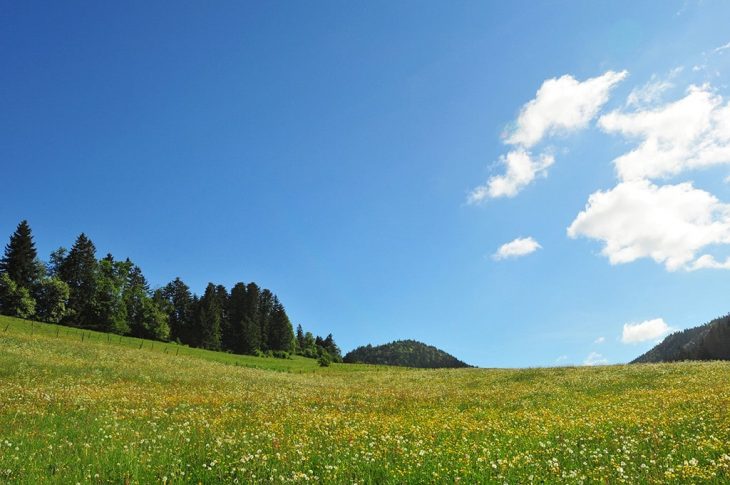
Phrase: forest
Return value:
(75, 288)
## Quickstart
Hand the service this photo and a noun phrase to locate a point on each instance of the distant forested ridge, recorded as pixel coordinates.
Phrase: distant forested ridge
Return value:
(407, 353)
(710, 341)
(75, 288)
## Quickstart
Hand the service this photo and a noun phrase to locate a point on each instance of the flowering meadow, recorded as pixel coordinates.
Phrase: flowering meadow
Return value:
(86, 408)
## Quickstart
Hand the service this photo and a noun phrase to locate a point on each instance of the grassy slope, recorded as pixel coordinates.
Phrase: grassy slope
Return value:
(100, 411)
(297, 364)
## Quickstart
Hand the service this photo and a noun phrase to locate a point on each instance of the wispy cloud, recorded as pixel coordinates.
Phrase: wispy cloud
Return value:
(594, 358)
(722, 48)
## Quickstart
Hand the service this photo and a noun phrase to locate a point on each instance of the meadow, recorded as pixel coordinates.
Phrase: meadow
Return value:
(84, 407)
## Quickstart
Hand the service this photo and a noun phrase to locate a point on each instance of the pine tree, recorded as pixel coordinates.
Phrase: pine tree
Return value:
(79, 270)
(209, 319)
(20, 259)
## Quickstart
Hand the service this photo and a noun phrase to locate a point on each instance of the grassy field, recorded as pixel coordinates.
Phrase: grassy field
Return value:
(89, 408)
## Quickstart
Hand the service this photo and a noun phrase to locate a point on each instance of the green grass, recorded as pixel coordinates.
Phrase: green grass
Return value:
(99, 409)
(297, 364)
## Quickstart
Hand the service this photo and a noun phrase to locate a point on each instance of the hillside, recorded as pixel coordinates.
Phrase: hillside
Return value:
(405, 353)
(85, 407)
(710, 341)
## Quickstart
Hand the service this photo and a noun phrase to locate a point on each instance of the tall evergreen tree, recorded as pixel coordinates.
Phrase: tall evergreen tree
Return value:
(227, 337)
(79, 270)
(251, 327)
(20, 259)
(236, 334)
(281, 334)
(55, 261)
(300, 338)
(265, 312)
(179, 309)
(209, 318)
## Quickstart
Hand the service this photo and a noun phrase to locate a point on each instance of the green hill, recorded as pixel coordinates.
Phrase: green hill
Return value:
(710, 341)
(406, 353)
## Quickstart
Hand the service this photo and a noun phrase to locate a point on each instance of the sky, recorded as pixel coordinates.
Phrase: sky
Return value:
(518, 183)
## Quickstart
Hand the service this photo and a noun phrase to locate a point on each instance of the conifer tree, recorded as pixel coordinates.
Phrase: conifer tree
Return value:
(236, 335)
(265, 311)
(251, 326)
(20, 259)
(179, 309)
(79, 270)
(300, 339)
(281, 334)
(209, 319)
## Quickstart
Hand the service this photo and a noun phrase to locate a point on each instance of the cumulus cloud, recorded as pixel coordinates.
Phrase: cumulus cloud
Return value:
(690, 133)
(561, 105)
(669, 224)
(599, 340)
(521, 169)
(646, 330)
(594, 358)
(521, 246)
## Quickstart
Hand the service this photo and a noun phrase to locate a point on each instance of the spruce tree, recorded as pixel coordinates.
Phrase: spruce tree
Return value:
(281, 334)
(300, 339)
(265, 312)
(227, 337)
(179, 309)
(236, 335)
(20, 259)
(251, 326)
(79, 270)
(209, 319)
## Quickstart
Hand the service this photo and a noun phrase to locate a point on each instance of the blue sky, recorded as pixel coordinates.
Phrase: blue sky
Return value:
(334, 152)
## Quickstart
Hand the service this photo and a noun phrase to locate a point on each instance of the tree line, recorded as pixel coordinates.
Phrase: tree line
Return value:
(75, 288)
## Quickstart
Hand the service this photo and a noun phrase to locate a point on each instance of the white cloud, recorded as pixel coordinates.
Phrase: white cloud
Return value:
(690, 133)
(594, 358)
(669, 224)
(521, 246)
(561, 105)
(722, 48)
(599, 340)
(648, 94)
(643, 331)
(522, 168)
(562, 359)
